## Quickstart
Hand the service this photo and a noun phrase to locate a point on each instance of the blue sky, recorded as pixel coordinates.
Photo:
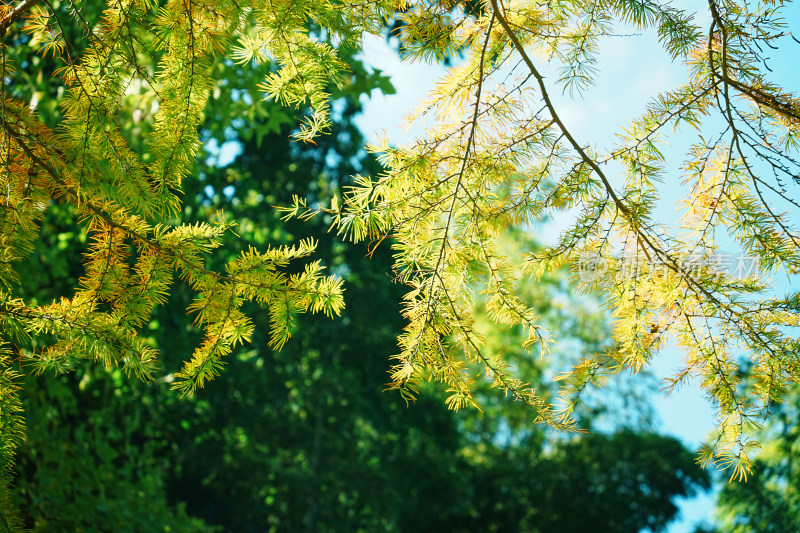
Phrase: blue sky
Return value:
(631, 71)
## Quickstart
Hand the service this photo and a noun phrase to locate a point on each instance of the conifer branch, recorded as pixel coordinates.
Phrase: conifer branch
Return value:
(18, 11)
(451, 210)
(567, 134)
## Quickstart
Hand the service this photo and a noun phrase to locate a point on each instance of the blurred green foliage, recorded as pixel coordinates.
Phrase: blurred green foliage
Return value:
(770, 501)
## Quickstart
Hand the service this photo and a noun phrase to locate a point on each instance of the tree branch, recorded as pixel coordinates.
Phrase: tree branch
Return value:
(16, 13)
(575, 145)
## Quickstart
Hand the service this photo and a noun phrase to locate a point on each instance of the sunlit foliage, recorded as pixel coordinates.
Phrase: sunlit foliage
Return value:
(500, 156)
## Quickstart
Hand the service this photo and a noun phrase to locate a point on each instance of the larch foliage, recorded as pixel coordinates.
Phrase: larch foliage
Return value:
(500, 155)
(127, 198)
